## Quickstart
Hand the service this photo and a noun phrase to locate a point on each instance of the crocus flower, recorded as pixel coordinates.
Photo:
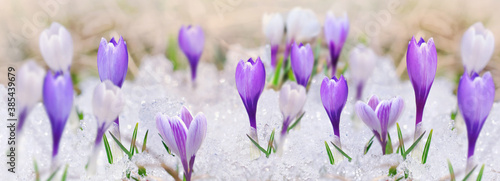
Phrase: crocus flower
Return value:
(58, 101)
(361, 64)
(183, 135)
(380, 116)
(421, 62)
(56, 47)
(475, 98)
(477, 48)
(191, 42)
(292, 99)
(302, 59)
(336, 30)
(29, 89)
(112, 60)
(250, 80)
(273, 26)
(334, 96)
(302, 25)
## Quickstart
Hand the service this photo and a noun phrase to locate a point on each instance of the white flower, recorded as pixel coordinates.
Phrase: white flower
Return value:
(107, 103)
(362, 61)
(29, 84)
(292, 99)
(56, 47)
(302, 25)
(477, 47)
(273, 26)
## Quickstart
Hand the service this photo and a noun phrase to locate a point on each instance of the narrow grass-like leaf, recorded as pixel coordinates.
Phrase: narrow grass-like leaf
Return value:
(413, 145)
(469, 174)
(145, 141)
(257, 145)
(37, 173)
(388, 145)
(400, 178)
(65, 174)
(53, 174)
(277, 72)
(329, 152)
(450, 168)
(401, 140)
(369, 144)
(165, 145)
(296, 122)
(393, 171)
(342, 152)
(134, 137)
(426, 148)
(109, 154)
(136, 150)
(142, 171)
(121, 146)
(480, 175)
(270, 144)
(136, 179)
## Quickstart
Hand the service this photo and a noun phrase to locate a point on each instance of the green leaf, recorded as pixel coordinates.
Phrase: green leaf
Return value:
(393, 171)
(142, 171)
(413, 145)
(277, 72)
(109, 154)
(53, 174)
(134, 137)
(257, 145)
(369, 144)
(329, 152)
(401, 140)
(342, 152)
(400, 178)
(388, 145)
(121, 146)
(426, 148)
(165, 145)
(145, 141)
(37, 173)
(453, 115)
(450, 168)
(270, 144)
(136, 179)
(65, 174)
(469, 174)
(296, 122)
(172, 53)
(127, 173)
(80, 114)
(480, 175)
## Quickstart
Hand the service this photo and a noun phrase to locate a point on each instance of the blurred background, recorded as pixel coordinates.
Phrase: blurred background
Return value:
(151, 27)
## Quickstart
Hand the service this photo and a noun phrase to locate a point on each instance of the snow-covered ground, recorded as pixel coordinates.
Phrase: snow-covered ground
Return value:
(225, 154)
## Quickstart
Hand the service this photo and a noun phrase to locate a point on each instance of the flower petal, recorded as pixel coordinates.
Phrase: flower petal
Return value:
(196, 134)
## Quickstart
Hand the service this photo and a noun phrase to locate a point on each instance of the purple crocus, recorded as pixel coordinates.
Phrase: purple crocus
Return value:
(250, 80)
(58, 101)
(421, 62)
(334, 96)
(336, 30)
(112, 60)
(191, 42)
(475, 98)
(302, 59)
(380, 116)
(183, 135)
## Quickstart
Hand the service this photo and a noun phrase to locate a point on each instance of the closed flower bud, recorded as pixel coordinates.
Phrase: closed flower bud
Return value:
(56, 47)
(477, 48)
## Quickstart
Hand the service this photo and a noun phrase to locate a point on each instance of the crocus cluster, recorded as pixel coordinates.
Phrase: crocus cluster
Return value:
(379, 116)
(191, 42)
(291, 99)
(334, 97)
(273, 26)
(302, 60)
(421, 63)
(362, 62)
(29, 88)
(302, 25)
(477, 48)
(475, 96)
(183, 135)
(336, 31)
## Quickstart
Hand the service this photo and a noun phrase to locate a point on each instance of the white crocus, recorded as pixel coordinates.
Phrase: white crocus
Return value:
(292, 99)
(56, 47)
(273, 27)
(302, 25)
(107, 103)
(362, 61)
(477, 47)
(29, 84)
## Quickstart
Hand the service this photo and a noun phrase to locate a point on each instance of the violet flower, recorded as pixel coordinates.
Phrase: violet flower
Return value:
(29, 89)
(336, 30)
(362, 62)
(421, 63)
(56, 47)
(273, 26)
(334, 97)
(191, 42)
(475, 96)
(112, 61)
(477, 48)
(302, 25)
(58, 101)
(292, 99)
(380, 116)
(302, 60)
(183, 135)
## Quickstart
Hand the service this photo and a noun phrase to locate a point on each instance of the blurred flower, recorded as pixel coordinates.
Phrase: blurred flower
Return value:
(191, 42)
(334, 96)
(302, 25)
(183, 136)
(302, 60)
(362, 61)
(58, 101)
(273, 26)
(56, 47)
(477, 48)
(29, 89)
(292, 99)
(380, 116)
(421, 63)
(475, 98)
(336, 30)
(112, 60)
